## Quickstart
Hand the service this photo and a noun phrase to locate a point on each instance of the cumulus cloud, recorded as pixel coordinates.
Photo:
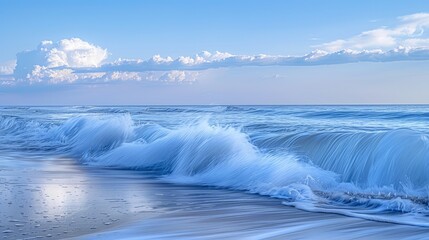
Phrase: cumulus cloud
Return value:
(179, 76)
(162, 76)
(6, 68)
(76, 61)
(124, 76)
(185, 69)
(410, 32)
(54, 60)
(318, 57)
(42, 73)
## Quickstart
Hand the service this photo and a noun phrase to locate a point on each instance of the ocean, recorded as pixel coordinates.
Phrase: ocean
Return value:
(362, 162)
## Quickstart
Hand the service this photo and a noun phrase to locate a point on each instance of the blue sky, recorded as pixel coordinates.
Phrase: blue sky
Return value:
(239, 30)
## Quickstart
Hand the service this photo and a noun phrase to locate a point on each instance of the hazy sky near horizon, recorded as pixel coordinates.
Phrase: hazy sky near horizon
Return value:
(214, 52)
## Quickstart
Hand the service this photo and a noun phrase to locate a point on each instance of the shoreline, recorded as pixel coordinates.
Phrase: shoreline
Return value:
(239, 215)
(58, 198)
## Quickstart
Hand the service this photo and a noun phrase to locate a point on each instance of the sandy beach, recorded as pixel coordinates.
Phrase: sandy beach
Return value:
(58, 198)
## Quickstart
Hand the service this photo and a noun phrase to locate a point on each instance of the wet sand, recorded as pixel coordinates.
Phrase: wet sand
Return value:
(228, 215)
(58, 198)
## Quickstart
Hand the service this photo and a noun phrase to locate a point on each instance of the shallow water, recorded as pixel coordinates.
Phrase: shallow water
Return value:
(57, 199)
(369, 162)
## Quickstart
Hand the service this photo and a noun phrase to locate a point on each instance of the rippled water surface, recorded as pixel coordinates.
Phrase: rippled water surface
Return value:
(369, 162)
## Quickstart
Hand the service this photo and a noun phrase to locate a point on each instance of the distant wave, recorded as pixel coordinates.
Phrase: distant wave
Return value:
(397, 158)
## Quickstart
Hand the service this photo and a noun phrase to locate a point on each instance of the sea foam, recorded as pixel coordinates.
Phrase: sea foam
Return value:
(352, 172)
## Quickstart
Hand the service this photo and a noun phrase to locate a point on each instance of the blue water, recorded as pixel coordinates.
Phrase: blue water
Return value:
(370, 162)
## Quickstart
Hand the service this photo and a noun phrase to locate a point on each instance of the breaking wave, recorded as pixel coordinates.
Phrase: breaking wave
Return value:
(363, 174)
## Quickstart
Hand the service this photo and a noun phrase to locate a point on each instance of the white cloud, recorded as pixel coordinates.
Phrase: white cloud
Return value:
(6, 68)
(405, 34)
(186, 69)
(54, 60)
(179, 76)
(124, 76)
(39, 74)
(74, 60)
(163, 76)
(417, 42)
(318, 57)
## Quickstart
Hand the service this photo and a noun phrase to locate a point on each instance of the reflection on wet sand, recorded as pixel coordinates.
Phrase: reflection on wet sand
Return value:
(58, 198)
